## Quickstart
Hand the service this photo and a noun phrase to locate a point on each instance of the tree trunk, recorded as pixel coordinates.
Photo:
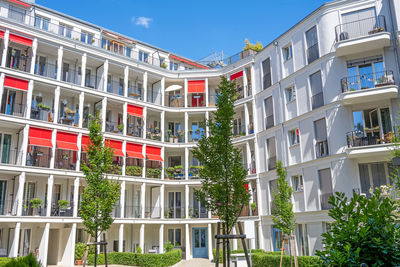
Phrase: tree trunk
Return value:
(223, 247)
(296, 264)
(87, 251)
(95, 252)
(282, 249)
(290, 252)
(228, 253)
(217, 243)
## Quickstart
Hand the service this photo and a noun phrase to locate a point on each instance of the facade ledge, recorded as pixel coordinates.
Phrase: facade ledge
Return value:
(363, 44)
(380, 150)
(369, 95)
(302, 217)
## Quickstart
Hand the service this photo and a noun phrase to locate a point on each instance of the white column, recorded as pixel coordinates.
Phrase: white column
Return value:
(186, 93)
(161, 238)
(59, 62)
(187, 242)
(125, 117)
(5, 48)
(33, 59)
(162, 163)
(260, 236)
(15, 243)
(50, 183)
(187, 201)
(24, 145)
(83, 71)
(67, 258)
(53, 150)
(28, 99)
(44, 245)
(246, 118)
(81, 103)
(2, 77)
(207, 94)
(76, 197)
(162, 200)
(145, 86)
(210, 242)
(207, 128)
(144, 130)
(163, 91)
(103, 114)
(144, 160)
(143, 199)
(123, 170)
(122, 199)
(234, 241)
(56, 103)
(248, 156)
(186, 163)
(126, 80)
(121, 238)
(141, 238)
(162, 126)
(105, 75)
(20, 193)
(245, 82)
(186, 127)
(253, 78)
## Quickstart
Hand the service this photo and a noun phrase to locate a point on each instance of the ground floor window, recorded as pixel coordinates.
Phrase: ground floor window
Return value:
(174, 236)
(302, 239)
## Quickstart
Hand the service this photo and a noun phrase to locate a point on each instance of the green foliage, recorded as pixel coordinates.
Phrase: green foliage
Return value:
(138, 250)
(80, 249)
(137, 259)
(396, 153)
(268, 259)
(100, 194)
(36, 203)
(365, 230)
(62, 204)
(3, 261)
(27, 261)
(223, 177)
(242, 251)
(153, 172)
(134, 171)
(168, 246)
(282, 212)
(255, 47)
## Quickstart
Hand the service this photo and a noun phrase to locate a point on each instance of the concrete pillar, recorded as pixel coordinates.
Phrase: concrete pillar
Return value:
(141, 238)
(161, 238)
(246, 118)
(187, 242)
(24, 145)
(145, 86)
(122, 199)
(121, 238)
(144, 130)
(207, 94)
(245, 85)
(103, 114)
(123, 170)
(207, 128)
(57, 93)
(15, 244)
(67, 258)
(186, 93)
(44, 245)
(126, 80)
(144, 160)
(105, 75)
(162, 163)
(163, 91)
(187, 201)
(81, 103)
(253, 78)
(248, 157)
(162, 200)
(186, 163)
(186, 127)
(76, 197)
(83, 73)
(6, 40)
(125, 118)
(53, 150)
(261, 236)
(210, 242)
(50, 183)
(162, 126)
(59, 62)
(28, 98)
(20, 193)
(33, 59)
(143, 199)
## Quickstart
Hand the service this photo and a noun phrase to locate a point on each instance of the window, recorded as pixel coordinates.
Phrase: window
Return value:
(128, 51)
(65, 30)
(87, 38)
(312, 44)
(42, 23)
(269, 113)
(271, 148)
(317, 94)
(105, 44)
(297, 183)
(287, 52)
(290, 94)
(302, 239)
(365, 73)
(320, 132)
(143, 56)
(373, 175)
(174, 236)
(294, 137)
(325, 187)
(173, 66)
(266, 67)
(16, 13)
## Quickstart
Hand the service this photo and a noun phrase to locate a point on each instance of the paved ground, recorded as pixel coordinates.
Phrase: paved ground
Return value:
(196, 263)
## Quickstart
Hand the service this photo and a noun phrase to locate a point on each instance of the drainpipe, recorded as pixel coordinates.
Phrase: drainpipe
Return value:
(394, 38)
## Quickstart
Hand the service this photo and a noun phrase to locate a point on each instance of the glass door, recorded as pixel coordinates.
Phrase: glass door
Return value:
(3, 188)
(5, 151)
(200, 244)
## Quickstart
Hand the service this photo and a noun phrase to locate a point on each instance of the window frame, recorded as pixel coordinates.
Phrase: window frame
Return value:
(287, 52)
(295, 186)
(294, 137)
(290, 90)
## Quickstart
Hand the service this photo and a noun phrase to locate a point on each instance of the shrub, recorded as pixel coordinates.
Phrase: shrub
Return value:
(63, 204)
(268, 259)
(168, 246)
(242, 251)
(134, 171)
(3, 261)
(27, 261)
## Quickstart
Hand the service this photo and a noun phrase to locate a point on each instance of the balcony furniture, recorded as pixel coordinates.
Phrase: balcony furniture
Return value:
(386, 79)
(387, 138)
(344, 36)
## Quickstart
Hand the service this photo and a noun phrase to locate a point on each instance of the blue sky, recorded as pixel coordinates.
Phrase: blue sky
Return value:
(193, 29)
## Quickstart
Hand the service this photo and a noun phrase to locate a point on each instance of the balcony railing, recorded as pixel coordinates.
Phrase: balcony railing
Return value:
(18, 62)
(324, 198)
(113, 127)
(174, 213)
(42, 114)
(115, 169)
(28, 210)
(70, 119)
(174, 173)
(13, 157)
(38, 160)
(133, 212)
(367, 81)
(134, 130)
(46, 70)
(61, 211)
(194, 172)
(153, 173)
(239, 130)
(198, 212)
(18, 110)
(115, 87)
(65, 162)
(92, 81)
(71, 76)
(175, 138)
(321, 149)
(116, 213)
(152, 212)
(135, 93)
(359, 138)
(6, 207)
(359, 28)
(133, 170)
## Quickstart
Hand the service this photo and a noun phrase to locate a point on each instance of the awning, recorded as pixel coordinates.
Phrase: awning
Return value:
(40, 137)
(117, 145)
(20, 3)
(196, 86)
(2, 34)
(135, 111)
(134, 151)
(85, 143)
(153, 153)
(67, 141)
(16, 83)
(172, 88)
(21, 40)
(236, 75)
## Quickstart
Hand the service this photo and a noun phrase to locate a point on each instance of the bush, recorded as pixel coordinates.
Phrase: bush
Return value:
(3, 261)
(134, 171)
(241, 251)
(272, 260)
(80, 249)
(27, 261)
(137, 259)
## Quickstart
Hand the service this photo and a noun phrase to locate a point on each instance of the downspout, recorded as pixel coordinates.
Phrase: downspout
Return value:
(394, 38)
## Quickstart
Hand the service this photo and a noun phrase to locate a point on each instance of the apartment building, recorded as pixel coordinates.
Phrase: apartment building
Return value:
(321, 98)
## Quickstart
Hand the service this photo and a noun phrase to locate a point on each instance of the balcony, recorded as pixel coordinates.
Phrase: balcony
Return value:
(195, 136)
(239, 130)
(324, 198)
(114, 127)
(65, 159)
(321, 149)
(62, 210)
(368, 87)
(135, 127)
(153, 173)
(175, 173)
(14, 109)
(174, 213)
(152, 212)
(6, 207)
(46, 70)
(133, 212)
(133, 170)
(116, 166)
(361, 36)
(18, 59)
(198, 212)
(175, 137)
(368, 143)
(37, 158)
(135, 92)
(194, 172)
(115, 87)
(31, 210)
(153, 133)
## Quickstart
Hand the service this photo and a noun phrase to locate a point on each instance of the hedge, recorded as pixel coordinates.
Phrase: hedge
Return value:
(26, 261)
(3, 261)
(138, 259)
(242, 251)
(271, 260)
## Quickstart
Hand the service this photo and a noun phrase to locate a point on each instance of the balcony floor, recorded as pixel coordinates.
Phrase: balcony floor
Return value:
(363, 44)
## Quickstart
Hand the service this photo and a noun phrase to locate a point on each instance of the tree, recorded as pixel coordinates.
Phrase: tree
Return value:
(365, 230)
(282, 211)
(395, 152)
(100, 194)
(224, 187)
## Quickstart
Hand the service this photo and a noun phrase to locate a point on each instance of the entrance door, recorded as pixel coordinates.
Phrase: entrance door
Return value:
(276, 238)
(200, 244)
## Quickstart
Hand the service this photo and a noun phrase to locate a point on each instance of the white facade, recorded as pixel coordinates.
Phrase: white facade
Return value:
(320, 98)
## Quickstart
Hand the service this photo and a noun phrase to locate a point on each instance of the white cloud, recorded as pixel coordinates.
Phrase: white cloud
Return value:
(142, 21)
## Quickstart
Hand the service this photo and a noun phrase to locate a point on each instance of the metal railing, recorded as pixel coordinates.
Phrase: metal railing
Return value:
(92, 81)
(133, 212)
(69, 119)
(359, 138)
(38, 160)
(360, 28)
(28, 210)
(312, 53)
(271, 163)
(46, 70)
(239, 130)
(116, 213)
(70, 75)
(65, 162)
(135, 92)
(41, 114)
(112, 127)
(152, 212)
(367, 81)
(324, 198)
(115, 87)
(11, 156)
(321, 149)
(175, 138)
(6, 207)
(176, 101)
(198, 212)
(61, 211)
(239, 91)
(18, 110)
(174, 213)
(21, 63)
(133, 130)
(177, 175)
(317, 100)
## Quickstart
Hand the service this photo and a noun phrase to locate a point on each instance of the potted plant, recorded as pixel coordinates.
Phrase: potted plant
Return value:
(42, 106)
(79, 252)
(170, 172)
(253, 207)
(175, 139)
(36, 203)
(63, 204)
(178, 168)
(65, 156)
(163, 65)
(120, 127)
(134, 171)
(166, 213)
